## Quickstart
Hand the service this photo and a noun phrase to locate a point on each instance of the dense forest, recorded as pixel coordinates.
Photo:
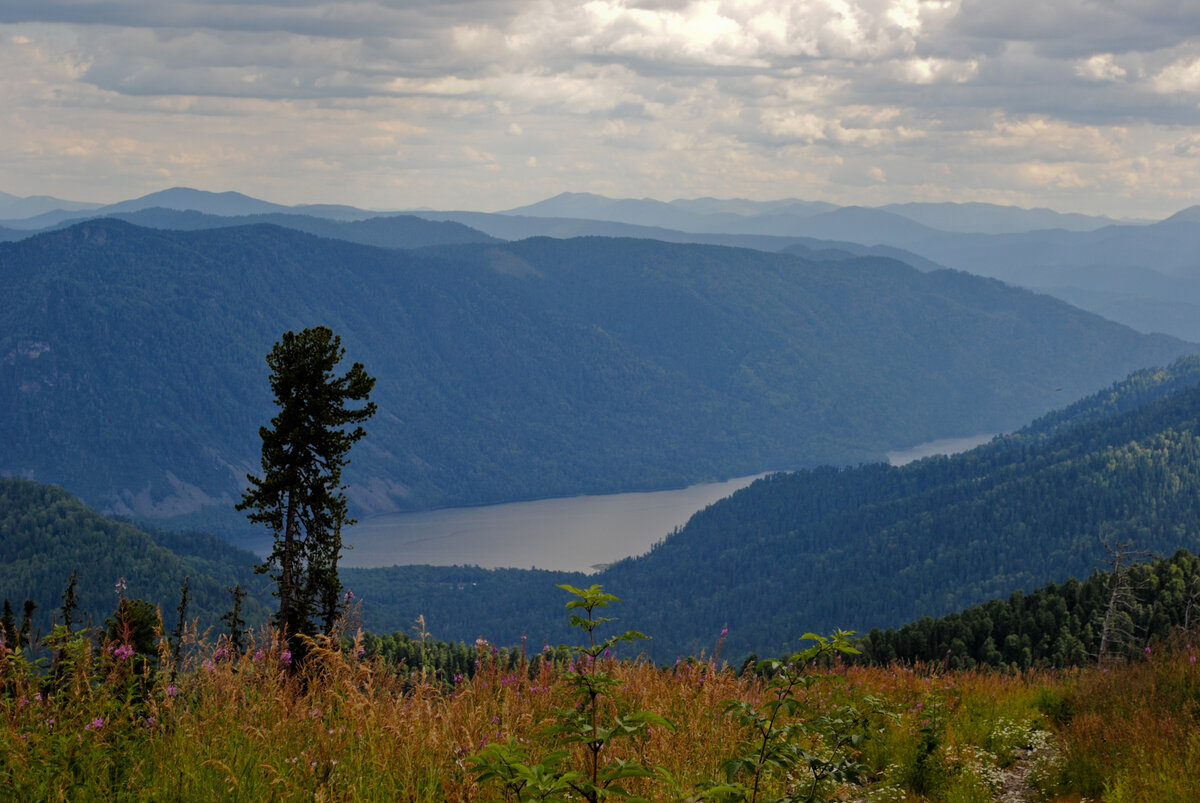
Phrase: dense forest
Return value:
(1112, 615)
(132, 374)
(869, 547)
(46, 535)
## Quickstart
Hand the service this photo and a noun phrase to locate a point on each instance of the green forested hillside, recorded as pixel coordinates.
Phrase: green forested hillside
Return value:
(875, 546)
(1058, 625)
(132, 372)
(45, 534)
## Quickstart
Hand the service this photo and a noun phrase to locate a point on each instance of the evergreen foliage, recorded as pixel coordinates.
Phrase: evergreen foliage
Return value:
(1059, 625)
(300, 494)
(47, 536)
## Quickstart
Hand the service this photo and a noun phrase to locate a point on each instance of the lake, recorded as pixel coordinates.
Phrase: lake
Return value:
(581, 533)
(942, 446)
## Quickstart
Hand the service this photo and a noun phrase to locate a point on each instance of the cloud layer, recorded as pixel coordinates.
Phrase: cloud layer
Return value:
(1075, 104)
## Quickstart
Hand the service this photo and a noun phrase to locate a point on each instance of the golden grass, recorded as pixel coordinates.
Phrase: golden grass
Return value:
(347, 728)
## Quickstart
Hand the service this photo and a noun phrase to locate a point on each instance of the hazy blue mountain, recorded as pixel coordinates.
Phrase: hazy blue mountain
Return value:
(516, 227)
(224, 204)
(185, 198)
(16, 207)
(393, 231)
(982, 218)
(872, 546)
(703, 215)
(746, 208)
(738, 215)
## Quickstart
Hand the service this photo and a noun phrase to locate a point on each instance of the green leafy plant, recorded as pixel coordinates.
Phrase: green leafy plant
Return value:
(799, 754)
(589, 723)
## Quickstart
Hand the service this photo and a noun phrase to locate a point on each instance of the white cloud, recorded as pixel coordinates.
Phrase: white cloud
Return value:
(1100, 67)
(1182, 76)
(496, 102)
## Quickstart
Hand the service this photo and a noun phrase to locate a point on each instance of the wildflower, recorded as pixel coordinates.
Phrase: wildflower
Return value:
(458, 677)
(285, 658)
(724, 631)
(258, 656)
(95, 725)
(172, 690)
(120, 588)
(348, 597)
(221, 653)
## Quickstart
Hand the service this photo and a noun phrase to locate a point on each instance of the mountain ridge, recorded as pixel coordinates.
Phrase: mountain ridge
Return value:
(502, 366)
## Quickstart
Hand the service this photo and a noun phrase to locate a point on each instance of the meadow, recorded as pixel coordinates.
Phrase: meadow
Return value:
(94, 718)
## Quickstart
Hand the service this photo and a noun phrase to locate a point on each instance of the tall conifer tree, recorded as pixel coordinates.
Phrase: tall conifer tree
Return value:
(299, 496)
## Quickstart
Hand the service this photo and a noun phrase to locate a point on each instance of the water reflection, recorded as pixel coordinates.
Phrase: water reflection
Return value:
(581, 533)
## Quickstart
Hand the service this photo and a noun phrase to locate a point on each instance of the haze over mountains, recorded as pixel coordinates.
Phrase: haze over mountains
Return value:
(1141, 273)
(133, 368)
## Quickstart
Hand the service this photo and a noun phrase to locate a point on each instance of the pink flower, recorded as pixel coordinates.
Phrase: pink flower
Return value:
(95, 725)
(285, 658)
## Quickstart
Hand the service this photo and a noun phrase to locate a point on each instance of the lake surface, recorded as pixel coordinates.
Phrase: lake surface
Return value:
(581, 533)
(930, 448)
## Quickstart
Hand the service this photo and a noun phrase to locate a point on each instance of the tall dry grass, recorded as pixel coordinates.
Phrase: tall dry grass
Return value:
(244, 727)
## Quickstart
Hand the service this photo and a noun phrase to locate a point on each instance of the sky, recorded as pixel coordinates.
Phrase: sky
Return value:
(1078, 105)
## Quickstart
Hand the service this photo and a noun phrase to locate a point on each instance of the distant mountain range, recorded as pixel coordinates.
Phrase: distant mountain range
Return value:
(132, 361)
(1140, 273)
(740, 216)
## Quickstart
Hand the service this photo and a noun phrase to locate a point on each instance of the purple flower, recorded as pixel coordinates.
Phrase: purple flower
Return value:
(120, 587)
(95, 725)
(285, 658)
(172, 690)
(724, 631)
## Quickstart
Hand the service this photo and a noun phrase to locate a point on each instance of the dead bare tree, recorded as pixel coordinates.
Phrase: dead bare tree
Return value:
(1118, 635)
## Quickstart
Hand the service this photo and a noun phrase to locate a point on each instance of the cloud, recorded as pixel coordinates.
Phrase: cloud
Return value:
(496, 102)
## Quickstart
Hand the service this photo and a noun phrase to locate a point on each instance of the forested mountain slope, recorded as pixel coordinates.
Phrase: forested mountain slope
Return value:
(132, 370)
(46, 534)
(1062, 624)
(874, 546)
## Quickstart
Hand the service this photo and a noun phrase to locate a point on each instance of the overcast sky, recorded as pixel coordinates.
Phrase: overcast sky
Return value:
(1079, 105)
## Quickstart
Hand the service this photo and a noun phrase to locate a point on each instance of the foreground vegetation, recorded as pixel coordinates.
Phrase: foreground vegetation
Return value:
(93, 718)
